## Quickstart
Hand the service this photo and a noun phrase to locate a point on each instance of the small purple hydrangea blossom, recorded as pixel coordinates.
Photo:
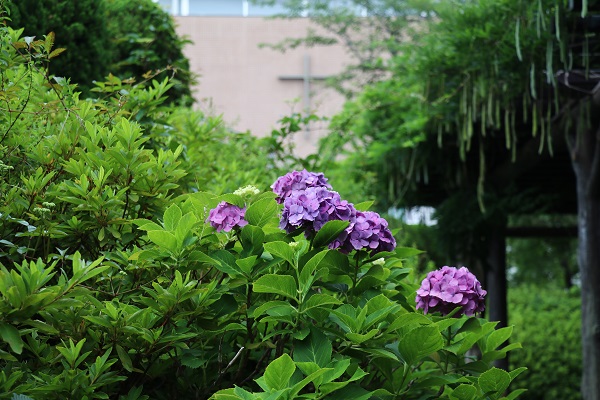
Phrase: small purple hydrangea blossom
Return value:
(312, 208)
(293, 181)
(367, 232)
(448, 288)
(226, 216)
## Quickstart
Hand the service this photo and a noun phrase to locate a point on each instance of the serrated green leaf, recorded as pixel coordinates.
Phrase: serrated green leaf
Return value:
(498, 337)
(419, 343)
(494, 381)
(278, 372)
(282, 250)
(164, 240)
(316, 347)
(284, 285)
(261, 212)
(329, 232)
(465, 392)
(171, 217)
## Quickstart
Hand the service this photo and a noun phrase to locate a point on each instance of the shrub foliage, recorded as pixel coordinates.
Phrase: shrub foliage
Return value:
(112, 284)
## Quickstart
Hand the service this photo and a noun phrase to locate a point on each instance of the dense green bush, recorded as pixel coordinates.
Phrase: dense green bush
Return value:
(144, 39)
(128, 38)
(79, 26)
(113, 285)
(548, 324)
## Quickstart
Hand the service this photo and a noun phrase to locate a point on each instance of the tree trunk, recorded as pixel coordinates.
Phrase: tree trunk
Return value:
(586, 163)
(589, 264)
(496, 282)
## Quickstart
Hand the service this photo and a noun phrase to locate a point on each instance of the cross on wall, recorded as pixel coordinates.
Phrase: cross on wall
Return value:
(306, 79)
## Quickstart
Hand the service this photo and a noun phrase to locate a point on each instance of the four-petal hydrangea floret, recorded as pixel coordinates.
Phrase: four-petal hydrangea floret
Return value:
(445, 289)
(294, 181)
(226, 216)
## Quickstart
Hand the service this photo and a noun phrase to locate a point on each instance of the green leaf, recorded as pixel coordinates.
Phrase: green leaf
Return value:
(284, 285)
(260, 212)
(252, 238)
(465, 392)
(316, 347)
(306, 277)
(164, 240)
(125, 359)
(11, 335)
(282, 250)
(364, 206)
(274, 304)
(171, 217)
(329, 232)
(319, 300)
(360, 338)
(278, 372)
(498, 337)
(405, 252)
(419, 343)
(494, 381)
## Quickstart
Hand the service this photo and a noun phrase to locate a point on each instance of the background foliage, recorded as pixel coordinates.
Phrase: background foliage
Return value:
(125, 38)
(549, 321)
(112, 284)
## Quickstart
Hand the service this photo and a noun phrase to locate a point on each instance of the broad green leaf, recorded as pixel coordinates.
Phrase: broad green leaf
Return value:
(498, 337)
(284, 285)
(329, 232)
(319, 300)
(164, 240)
(184, 226)
(264, 308)
(360, 338)
(282, 250)
(419, 343)
(252, 238)
(316, 347)
(306, 277)
(405, 252)
(260, 212)
(364, 206)
(514, 394)
(246, 264)
(494, 381)
(465, 392)
(279, 371)
(171, 217)
(11, 335)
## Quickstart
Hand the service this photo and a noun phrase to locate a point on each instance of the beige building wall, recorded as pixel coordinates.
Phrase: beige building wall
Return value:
(243, 82)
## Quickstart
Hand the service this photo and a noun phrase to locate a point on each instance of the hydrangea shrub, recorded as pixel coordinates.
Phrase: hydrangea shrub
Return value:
(218, 301)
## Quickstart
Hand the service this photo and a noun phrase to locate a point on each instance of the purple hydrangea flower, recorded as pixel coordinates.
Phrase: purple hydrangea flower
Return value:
(367, 232)
(447, 288)
(226, 216)
(312, 207)
(285, 185)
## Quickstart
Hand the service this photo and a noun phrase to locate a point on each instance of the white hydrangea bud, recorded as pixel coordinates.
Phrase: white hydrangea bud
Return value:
(247, 191)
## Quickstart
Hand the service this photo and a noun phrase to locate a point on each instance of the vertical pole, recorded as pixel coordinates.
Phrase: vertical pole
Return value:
(306, 84)
(496, 282)
(185, 7)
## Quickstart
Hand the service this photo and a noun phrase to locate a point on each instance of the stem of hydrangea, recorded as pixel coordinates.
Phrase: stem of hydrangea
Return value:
(448, 343)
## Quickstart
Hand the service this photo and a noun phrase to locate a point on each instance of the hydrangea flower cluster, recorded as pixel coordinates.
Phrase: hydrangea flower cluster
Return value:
(312, 207)
(308, 203)
(226, 216)
(285, 185)
(368, 231)
(448, 288)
